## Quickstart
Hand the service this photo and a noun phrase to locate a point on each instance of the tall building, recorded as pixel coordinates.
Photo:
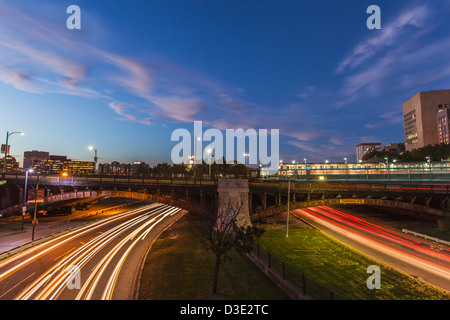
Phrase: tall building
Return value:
(29, 157)
(364, 148)
(58, 165)
(443, 117)
(419, 118)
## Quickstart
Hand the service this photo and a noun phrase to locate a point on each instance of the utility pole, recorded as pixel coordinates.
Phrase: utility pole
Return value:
(35, 210)
(287, 213)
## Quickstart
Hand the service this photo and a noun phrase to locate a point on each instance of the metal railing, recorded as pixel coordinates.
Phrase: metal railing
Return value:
(307, 286)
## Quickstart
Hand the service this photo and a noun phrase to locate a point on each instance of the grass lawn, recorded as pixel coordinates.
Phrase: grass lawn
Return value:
(180, 267)
(336, 266)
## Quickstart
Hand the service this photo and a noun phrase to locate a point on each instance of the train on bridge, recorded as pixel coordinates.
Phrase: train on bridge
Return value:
(364, 171)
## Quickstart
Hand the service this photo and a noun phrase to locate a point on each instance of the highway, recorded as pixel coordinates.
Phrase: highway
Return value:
(98, 261)
(421, 259)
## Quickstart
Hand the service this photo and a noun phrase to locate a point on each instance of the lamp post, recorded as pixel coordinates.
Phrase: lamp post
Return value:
(195, 148)
(25, 196)
(287, 213)
(326, 169)
(429, 165)
(346, 168)
(295, 168)
(35, 210)
(306, 170)
(209, 151)
(95, 156)
(6, 149)
(246, 155)
(280, 167)
(387, 165)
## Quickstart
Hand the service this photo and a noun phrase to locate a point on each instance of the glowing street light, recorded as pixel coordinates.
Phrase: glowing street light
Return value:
(6, 148)
(95, 157)
(24, 208)
(295, 168)
(245, 158)
(429, 165)
(387, 165)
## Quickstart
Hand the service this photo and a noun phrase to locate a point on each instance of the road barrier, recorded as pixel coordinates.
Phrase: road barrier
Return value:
(426, 237)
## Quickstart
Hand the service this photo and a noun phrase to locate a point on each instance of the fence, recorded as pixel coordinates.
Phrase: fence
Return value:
(307, 287)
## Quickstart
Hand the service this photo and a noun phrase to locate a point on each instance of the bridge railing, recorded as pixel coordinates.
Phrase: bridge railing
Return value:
(57, 179)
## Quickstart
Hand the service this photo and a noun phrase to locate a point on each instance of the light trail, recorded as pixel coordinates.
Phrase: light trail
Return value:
(54, 281)
(59, 242)
(381, 239)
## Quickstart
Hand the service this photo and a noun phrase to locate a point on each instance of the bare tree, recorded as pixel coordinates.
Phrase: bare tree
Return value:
(225, 230)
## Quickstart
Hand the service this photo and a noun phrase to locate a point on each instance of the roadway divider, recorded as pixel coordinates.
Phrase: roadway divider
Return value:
(426, 237)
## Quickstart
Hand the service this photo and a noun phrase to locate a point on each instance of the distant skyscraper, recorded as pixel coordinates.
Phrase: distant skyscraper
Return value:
(419, 118)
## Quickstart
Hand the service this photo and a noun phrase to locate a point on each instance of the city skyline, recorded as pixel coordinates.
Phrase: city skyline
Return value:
(137, 71)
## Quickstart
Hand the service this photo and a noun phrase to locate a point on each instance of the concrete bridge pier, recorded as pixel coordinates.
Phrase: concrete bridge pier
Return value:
(233, 196)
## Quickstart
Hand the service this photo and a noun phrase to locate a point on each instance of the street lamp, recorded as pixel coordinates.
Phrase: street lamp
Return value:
(387, 165)
(195, 148)
(287, 213)
(245, 156)
(295, 168)
(306, 170)
(6, 148)
(429, 165)
(25, 196)
(95, 157)
(326, 169)
(346, 167)
(209, 151)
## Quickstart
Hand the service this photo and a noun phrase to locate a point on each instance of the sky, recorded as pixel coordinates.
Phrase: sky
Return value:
(138, 70)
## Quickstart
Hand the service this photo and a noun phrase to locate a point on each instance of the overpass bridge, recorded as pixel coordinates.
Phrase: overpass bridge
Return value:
(265, 197)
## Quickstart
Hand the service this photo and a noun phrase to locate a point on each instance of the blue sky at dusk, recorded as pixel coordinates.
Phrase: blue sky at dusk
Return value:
(138, 70)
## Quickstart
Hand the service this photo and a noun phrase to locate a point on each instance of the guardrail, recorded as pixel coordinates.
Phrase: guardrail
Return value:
(426, 237)
(90, 214)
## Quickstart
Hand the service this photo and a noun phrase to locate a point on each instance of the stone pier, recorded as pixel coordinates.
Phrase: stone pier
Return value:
(233, 196)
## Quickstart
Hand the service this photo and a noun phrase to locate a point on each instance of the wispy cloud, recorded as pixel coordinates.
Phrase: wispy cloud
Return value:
(412, 17)
(401, 56)
(387, 119)
(120, 108)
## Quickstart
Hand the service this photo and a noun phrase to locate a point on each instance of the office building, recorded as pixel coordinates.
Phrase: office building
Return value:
(60, 164)
(364, 148)
(419, 118)
(443, 117)
(29, 157)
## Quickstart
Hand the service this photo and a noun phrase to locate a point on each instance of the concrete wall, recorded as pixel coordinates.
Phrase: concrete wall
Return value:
(233, 195)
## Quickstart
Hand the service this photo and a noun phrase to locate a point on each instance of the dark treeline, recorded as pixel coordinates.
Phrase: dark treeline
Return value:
(190, 171)
(436, 153)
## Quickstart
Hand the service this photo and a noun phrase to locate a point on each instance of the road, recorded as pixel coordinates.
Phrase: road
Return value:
(415, 257)
(98, 261)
